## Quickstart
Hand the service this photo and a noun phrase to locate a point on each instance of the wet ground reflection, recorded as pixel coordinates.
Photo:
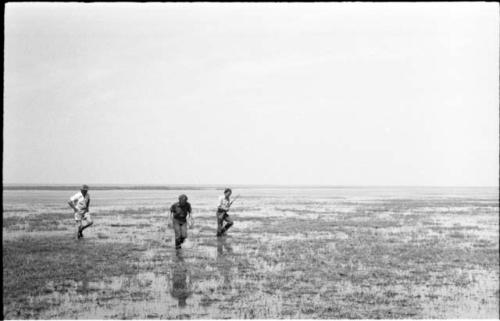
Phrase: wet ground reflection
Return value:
(223, 263)
(286, 257)
(180, 279)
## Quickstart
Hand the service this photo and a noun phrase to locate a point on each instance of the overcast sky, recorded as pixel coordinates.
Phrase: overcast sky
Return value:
(320, 93)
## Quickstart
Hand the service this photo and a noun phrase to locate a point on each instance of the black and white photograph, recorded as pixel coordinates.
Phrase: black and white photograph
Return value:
(251, 160)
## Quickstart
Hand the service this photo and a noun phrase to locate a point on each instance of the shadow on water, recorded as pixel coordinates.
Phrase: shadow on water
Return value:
(180, 280)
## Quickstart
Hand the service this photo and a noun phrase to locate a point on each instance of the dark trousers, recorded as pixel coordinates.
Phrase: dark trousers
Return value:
(221, 217)
(180, 230)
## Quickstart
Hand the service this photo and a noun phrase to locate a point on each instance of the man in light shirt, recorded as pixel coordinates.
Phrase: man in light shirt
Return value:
(222, 209)
(80, 203)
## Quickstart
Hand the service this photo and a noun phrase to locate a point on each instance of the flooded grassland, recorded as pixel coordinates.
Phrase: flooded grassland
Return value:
(292, 253)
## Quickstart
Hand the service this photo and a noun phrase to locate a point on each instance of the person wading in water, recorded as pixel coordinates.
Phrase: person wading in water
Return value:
(180, 211)
(80, 203)
(222, 209)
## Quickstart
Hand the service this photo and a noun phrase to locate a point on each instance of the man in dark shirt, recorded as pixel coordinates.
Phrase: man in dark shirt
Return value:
(180, 211)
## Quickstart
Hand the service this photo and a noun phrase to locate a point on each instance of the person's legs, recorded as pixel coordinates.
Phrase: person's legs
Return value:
(88, 223)
(178, 234)
(229, 223)
(78, 221)
(220, 222)
(184, 234)
(78, 228)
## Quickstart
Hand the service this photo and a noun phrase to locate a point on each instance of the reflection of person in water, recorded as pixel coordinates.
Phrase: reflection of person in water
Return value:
(83, 287)
(180, 280)
(222, 245)
(223, 263)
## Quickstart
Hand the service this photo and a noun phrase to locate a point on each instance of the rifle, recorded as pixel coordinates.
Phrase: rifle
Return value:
(234, 200)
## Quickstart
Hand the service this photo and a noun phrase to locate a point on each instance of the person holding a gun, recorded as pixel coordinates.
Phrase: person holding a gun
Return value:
(222, 209)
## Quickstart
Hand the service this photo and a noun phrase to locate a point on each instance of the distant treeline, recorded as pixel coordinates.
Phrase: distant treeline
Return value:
(155, 187)
(104, 187)
(219, 187)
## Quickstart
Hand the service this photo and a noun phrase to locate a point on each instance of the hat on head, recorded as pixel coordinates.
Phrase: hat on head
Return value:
(85, 187)
(183, 196)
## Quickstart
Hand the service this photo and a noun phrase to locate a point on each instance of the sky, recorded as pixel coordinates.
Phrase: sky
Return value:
(252, 93)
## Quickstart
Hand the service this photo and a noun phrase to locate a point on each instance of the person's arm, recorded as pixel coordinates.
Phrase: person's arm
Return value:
(231, 203)
(169, 221)
(71, 203)
(190, 217)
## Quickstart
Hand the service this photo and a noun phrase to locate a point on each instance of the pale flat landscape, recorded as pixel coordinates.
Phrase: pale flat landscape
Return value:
(305, 253)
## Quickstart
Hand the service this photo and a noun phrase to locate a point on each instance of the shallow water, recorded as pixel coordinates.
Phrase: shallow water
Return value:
(292, 253)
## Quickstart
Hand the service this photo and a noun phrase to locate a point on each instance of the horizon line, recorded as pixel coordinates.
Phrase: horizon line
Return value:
(217, 185)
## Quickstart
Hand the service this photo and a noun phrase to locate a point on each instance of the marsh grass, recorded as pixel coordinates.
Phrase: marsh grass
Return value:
(38, 222)
(30, 263)
(374, 259)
